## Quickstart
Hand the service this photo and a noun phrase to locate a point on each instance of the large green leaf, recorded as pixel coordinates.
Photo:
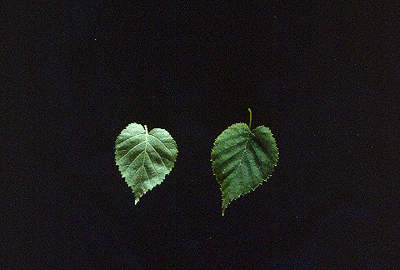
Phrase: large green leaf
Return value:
(242, 159)
(144, 158)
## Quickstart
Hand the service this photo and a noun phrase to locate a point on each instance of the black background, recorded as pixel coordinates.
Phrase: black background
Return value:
(323, 76)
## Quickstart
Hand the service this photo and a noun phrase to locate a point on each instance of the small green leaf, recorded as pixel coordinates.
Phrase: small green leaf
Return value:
(144, 158)
(242, 159)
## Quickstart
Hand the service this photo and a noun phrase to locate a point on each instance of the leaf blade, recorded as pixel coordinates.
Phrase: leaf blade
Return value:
(144, 158)
(242, 160)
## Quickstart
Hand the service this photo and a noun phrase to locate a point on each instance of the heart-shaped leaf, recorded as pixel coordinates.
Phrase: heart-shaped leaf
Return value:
(242, 159)
(144, 158)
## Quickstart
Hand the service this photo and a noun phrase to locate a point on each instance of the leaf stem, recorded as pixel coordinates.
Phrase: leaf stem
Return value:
(250, 119)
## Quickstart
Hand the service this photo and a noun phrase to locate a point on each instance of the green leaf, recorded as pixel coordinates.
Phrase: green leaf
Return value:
(144, 158)
(242, 159)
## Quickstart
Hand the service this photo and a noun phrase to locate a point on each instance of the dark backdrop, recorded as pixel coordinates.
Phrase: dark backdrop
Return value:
(324, 77)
